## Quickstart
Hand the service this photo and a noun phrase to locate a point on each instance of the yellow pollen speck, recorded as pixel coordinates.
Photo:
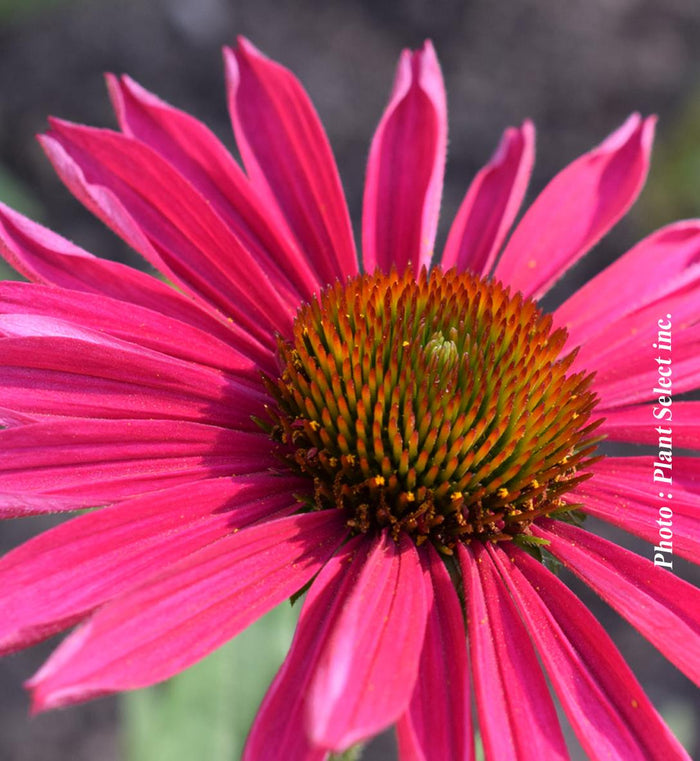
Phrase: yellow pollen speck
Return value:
(535, 483)
(410, 496)
(456, 495)
(379, 480)
(405, 344)
(502, 492)
(315, 425)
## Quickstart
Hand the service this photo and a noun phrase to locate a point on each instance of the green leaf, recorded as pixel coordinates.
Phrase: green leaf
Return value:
(206, 712)
(551, 563)
(478, 747)
(531, 544)
(301, 592)
(569, 514)
(351, 754)
(530, 541)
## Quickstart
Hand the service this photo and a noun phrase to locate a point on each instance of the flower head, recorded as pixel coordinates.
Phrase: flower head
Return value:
(409, 435)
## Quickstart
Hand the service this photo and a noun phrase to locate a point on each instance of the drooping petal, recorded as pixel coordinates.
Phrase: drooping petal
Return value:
(631, 472)
(618, 494)
(655, 268)
(201, 158)
(193, 607)
(288, 158)
(51, 367)
(57, 578)
(99, 462)
(577, 208)
(369, 664)
(638, 513)
(280, 720)
(606, 706)
(662, 606)
(437, 724)
(638, 424)
(625, 337)
(491, 204)
(45, 257)
(516, 714)
(626, 380)
(146, 201)
(406, 167)
(136, 324)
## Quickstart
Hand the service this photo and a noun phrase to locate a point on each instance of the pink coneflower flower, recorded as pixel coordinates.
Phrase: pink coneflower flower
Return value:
(407, 441)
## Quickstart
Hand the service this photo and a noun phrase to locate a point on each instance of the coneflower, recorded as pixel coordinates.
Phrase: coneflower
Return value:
(405, 437)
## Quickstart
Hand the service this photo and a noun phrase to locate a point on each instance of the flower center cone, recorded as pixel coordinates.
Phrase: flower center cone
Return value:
(440, 407)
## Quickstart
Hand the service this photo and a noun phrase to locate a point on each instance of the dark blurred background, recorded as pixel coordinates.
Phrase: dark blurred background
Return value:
(577, 67)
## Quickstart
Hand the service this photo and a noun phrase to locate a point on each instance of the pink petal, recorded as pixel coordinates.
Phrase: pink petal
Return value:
(655, 268)
(638, 424)
(576, 209)
(43, 256)
(282, 712)
(369, 664)
(617, 499)
(491, 204)
(623, 337)
(91, 375)
(97, 462)
(136, 324)
(663, 607)
(631, 378)
(516, 714)
(632, 472)
(405, 168)
(607, 707)
(289, 160)
(189, 610)
(437, 724)
(143, 199)
(57, 578)
(200, 157)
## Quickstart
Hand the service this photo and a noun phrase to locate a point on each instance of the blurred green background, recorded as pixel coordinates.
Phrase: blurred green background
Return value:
(578, 68)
